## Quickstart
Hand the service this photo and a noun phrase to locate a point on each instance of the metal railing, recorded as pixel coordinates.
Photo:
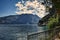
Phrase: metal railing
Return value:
(46, 35)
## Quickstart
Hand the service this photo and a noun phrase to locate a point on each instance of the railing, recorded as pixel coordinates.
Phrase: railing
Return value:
(46, 35)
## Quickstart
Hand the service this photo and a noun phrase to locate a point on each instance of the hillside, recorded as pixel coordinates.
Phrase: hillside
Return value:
(20, 19)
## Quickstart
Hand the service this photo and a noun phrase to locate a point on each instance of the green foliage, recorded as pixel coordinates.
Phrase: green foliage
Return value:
(53, 21)
(56, 3)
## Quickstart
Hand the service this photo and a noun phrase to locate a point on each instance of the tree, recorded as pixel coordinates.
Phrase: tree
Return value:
(53, 21)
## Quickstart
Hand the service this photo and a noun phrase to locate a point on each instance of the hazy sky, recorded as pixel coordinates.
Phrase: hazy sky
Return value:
(7, 7)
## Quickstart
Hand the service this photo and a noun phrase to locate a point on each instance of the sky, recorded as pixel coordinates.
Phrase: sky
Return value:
(31, 7)
(7, 7)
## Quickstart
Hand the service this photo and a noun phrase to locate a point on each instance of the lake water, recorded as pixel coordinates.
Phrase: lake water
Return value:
(18, 31)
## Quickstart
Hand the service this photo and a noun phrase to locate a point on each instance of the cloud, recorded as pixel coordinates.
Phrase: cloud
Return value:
(31, 7)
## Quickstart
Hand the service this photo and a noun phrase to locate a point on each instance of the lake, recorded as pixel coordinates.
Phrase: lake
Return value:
(18, 31)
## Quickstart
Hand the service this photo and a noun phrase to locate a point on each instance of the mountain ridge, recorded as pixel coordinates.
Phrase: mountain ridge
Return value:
(20, 19)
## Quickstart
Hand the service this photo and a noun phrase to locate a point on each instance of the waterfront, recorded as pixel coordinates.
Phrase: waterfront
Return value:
(18, 31)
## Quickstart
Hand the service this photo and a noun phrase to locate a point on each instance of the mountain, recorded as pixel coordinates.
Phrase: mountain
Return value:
(20, 19)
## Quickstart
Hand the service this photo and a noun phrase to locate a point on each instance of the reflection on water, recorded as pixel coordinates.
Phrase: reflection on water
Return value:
(17, 32)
